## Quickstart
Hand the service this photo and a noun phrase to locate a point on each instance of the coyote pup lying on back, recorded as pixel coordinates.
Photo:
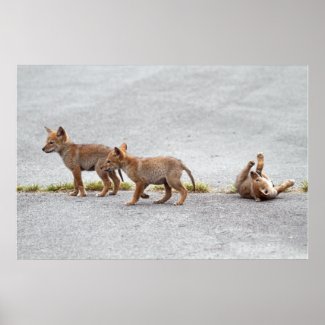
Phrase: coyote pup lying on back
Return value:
(80, 157)
(145, 171)
(257, 185)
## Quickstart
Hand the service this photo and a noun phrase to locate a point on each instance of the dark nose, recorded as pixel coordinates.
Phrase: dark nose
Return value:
(43, 149)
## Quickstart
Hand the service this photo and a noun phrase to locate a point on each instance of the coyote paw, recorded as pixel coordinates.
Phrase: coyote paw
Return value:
(251, 163)
(158, 202)
(82, 194)
(145, 196)
(178, 203)
(111, 193)
(291, 182)
(130, 203)
(100, 194)
(260, 155)
(74, 193)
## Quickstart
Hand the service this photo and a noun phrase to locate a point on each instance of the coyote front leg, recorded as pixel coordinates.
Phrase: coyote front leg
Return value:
(78, 181)
(139, 186)
(75, 191)
(244, 173)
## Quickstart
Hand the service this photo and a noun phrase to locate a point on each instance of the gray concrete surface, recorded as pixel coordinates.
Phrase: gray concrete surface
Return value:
(211, 225)
(213, 118)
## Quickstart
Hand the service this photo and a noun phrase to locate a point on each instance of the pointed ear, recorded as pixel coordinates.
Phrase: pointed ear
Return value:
(118, 152)
(254, 175)
(48, 130)
(60, 132)
(123, 146)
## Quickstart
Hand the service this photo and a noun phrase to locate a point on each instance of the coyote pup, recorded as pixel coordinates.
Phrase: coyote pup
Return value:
(257, 185)
(80, 157)
(145, 171)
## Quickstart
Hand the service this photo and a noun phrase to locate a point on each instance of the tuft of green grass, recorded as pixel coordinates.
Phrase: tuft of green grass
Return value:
(230, 189)
(157, 188)
(94, 186)
(59, 187)
(125, 186)
(303, 186)
(28, 188)
(200, 187)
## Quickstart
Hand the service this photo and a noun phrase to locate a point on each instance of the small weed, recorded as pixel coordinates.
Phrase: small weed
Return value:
(20, 188)
(28, 188)
(94, 186)
(157, 188)
(303, 186)
(125, 186)
(59, 187)
(200, 187)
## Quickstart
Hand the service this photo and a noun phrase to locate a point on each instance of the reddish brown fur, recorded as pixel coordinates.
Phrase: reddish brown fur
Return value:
(145, 171)
(257, 185)
(81, 157)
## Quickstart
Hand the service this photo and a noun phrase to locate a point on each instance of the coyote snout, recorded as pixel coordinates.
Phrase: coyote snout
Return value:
(145, 171)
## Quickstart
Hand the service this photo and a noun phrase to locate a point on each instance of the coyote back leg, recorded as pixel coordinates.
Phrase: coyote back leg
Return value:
(286, 184)
(178, 186)
(260, 163)
(104, 177)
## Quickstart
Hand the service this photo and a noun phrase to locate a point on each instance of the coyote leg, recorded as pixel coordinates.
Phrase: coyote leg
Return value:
(144, 195)
(107, 183)
(286, 184)
(244, 173)
(116, 182)
(167, 196)
(260, 163)
(75, 191)
(77, 176)
(138, 190)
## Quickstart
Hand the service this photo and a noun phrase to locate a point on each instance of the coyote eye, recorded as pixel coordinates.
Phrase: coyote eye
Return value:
(108, 161)
(51, 142)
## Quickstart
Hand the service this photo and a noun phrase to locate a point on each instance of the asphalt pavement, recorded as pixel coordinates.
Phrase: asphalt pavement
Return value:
(208, 226)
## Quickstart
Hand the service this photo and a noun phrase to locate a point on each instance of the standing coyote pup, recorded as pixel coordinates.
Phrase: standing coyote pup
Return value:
(145, 171)
(257, 185)
(80, 157)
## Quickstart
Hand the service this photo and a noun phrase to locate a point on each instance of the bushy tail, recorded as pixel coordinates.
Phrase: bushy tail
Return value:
(189, 173)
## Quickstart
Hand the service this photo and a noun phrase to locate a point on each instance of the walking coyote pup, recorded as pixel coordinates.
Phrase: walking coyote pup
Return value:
(145, 171)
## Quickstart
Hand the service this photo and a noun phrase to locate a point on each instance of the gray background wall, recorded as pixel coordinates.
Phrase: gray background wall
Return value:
(161, 32)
